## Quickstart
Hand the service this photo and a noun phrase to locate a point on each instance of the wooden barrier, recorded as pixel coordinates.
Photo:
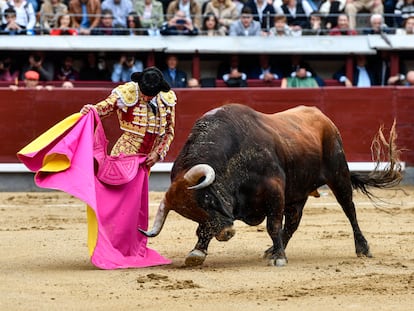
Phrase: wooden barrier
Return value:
(357, 112)
(109, 84)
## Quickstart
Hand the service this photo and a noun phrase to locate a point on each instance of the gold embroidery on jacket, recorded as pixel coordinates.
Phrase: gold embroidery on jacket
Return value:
(141, 118)
(127, 93)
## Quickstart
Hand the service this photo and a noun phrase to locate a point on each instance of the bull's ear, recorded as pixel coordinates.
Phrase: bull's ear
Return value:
(223, 206)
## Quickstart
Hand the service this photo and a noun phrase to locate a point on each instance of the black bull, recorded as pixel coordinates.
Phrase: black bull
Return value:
(240, 164)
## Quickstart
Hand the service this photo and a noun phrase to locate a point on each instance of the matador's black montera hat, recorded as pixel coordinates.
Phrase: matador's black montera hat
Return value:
(151, 81)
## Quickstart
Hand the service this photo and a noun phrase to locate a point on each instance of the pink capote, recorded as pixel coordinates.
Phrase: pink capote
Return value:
(119, 210)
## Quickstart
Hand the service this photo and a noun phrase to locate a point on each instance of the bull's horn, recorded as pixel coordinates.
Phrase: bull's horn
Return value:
(158, 222)
(198, 171)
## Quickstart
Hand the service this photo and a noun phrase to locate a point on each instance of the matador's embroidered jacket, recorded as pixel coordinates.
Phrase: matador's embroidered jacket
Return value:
(145, 128)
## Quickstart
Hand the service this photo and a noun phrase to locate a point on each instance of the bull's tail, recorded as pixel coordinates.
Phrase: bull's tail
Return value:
(382, 150)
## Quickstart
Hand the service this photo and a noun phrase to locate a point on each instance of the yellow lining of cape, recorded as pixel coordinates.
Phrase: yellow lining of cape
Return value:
(92, 229)
(50, 135)
(58, 162)
(55, 162)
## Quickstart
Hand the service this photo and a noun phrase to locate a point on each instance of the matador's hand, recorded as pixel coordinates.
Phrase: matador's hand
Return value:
(152, 158)
(85, 109)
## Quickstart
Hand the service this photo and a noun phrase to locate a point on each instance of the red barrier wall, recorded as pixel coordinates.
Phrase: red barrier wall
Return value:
(358, 113)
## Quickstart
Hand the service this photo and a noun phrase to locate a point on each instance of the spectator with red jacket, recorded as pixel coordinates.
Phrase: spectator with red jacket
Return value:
(342, 28)
(64, 27)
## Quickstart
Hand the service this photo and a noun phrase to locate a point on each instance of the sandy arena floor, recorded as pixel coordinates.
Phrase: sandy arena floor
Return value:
(44, 262)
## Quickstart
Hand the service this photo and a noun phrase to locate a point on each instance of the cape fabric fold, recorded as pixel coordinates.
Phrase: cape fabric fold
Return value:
(63, 159)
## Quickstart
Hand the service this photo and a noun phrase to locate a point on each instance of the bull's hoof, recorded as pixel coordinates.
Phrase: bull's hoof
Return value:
(279, 262)
(365, 254)
(362, 249)
(226, 234)
(268, 253)
(195, 258)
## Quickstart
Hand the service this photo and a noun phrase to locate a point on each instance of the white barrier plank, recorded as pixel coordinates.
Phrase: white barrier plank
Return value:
(165, 167)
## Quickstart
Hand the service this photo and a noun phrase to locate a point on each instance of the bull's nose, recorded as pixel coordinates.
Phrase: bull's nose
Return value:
(226, 234)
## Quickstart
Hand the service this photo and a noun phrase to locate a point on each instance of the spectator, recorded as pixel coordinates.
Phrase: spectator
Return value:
(232, 74)
(151, 14)
(245, 25)
(38, 63)
(353, 7)
(410, 78)
(280, 28)
(297, 13)
(342, 28)
(119, 9)
(175, 77)
(105, 26)
(49, 13)
(299, 80)
(265, 71)
(408, 26)
(31, 81)
(125, 67)
(67, 85)
(66, 71)
(25, 14)
(297, 62)
(316, 25)
(263, 12)
(64, 27)
(389, 9)
(190, 8)
(7, 72)
(363, 74)
(95, 68)
(403, 10)
(225, 11)
(383, 70)
(193, 83)
(330, 10)
(377, 26)
(298, 73)
(11, 27)
(179, 25)
(211, 26)
(134, 26)
(85, 15)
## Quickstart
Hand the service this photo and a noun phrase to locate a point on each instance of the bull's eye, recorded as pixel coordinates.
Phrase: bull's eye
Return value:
(208, 200)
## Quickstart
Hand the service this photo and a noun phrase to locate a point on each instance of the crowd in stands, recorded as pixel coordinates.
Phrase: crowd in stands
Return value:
(206, 17)
(234, 70)
(294, 71)
(270, 18)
